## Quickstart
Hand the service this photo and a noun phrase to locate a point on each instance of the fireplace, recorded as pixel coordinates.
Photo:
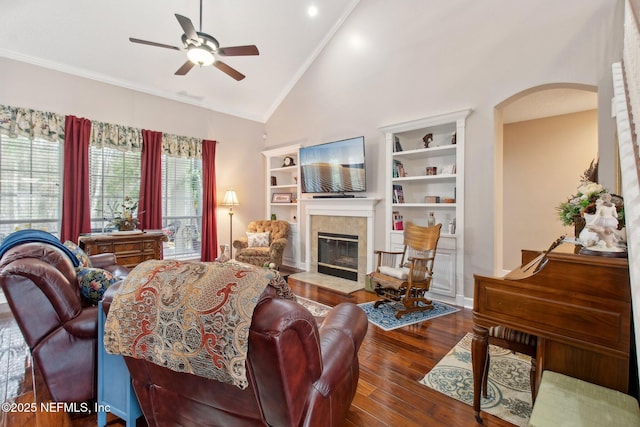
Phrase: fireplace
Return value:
(338, 255)
(353, 217)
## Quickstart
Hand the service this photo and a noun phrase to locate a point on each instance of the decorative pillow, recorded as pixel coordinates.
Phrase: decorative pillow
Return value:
(79, 253)
(93, 283)
(258, 240)
(401, 273)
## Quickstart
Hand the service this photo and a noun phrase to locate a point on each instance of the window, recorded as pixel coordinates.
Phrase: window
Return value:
(113, 175)
(181, 206)
(30, 184)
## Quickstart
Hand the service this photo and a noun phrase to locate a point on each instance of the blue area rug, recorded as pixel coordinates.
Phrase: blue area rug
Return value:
(384, 316)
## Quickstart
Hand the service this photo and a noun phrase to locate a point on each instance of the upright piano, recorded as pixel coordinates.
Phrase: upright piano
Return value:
(579, 307)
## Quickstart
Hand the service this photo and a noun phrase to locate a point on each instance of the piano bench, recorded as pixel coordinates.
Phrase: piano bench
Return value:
(566, 401)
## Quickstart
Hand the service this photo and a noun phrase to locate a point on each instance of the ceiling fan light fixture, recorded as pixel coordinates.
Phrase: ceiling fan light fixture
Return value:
(200, 55)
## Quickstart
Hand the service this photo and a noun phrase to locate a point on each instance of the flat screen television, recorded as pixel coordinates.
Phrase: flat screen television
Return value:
(335, 167)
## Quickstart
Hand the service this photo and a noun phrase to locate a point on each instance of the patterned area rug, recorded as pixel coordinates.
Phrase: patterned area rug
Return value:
(314, 307)
(385, 316)
(509, 392)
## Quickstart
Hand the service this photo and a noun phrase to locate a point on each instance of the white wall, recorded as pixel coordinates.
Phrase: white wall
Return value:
(238, 160)
(396, 61)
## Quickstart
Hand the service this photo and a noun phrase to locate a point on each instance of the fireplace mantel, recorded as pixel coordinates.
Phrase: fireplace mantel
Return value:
(363, 207)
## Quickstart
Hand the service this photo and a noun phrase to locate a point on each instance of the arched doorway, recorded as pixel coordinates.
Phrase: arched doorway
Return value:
(545, 139)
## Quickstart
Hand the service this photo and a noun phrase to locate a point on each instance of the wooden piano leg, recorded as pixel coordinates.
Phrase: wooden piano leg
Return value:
(478, 360)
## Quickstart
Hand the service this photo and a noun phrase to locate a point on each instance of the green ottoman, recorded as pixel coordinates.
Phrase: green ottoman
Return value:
(566, 401)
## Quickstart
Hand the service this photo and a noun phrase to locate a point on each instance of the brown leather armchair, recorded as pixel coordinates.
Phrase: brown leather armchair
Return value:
(40, 284)
(299, 374)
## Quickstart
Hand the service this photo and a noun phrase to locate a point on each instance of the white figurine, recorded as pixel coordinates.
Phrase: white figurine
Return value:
(605, 224)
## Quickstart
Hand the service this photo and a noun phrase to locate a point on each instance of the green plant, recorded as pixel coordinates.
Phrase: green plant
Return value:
(124, 214)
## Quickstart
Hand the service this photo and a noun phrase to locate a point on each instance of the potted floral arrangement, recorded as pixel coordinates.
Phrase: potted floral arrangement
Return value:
(572, 211)
(124, 215)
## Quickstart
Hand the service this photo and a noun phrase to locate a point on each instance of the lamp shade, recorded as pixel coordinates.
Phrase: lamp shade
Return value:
(230, 199)
(200, 55)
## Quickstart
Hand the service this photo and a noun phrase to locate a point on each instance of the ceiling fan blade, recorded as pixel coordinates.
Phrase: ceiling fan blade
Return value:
(131, 39)
(186, 67)
(187, 27)
(227, 69)
(238, 50)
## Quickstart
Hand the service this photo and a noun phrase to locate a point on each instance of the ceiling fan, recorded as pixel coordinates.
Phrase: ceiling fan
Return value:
(203, 49)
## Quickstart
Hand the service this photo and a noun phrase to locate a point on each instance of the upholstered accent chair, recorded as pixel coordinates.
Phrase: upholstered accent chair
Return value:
(265, 243)
(405, 276)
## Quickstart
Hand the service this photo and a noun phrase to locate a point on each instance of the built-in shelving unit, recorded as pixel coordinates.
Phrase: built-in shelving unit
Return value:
(426, 178)
(283, 196)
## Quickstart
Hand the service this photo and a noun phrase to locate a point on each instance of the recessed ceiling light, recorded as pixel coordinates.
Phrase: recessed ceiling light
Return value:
(312, 11)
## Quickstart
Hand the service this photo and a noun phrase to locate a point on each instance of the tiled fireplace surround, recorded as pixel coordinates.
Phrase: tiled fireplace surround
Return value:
(354, 216)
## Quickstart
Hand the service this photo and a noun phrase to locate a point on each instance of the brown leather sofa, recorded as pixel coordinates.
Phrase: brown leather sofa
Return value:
(39, 282)
(299, 374)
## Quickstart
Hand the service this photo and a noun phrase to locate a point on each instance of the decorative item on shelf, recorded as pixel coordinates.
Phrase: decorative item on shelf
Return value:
(452, 226)
(273, 217)
(453, 138)
(432, 199)
(431, 170)
(431, 220)
(288, 161)
(448, 200)
(427, 139)
(281, 198)
(231, 200)
(448, 169)
(124, 216)
(274, 181)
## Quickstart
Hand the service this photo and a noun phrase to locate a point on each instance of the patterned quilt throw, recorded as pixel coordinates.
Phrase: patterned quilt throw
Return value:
(188, 316)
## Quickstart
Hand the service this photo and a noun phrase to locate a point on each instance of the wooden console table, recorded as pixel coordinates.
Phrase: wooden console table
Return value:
(130, 248)
(579, 307)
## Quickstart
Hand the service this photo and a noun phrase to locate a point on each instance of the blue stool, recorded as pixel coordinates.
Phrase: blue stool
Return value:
(115, 391)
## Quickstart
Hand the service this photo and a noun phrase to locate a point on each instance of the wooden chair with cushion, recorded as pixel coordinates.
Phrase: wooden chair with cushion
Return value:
(406, 276)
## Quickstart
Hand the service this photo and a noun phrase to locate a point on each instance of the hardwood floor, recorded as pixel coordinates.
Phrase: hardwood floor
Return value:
(391, 363)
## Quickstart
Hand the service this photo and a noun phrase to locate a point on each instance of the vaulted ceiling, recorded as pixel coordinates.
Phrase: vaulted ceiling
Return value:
(91, 39)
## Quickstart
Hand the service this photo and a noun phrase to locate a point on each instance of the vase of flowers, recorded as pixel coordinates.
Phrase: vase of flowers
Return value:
(124, 215)
(572, 211)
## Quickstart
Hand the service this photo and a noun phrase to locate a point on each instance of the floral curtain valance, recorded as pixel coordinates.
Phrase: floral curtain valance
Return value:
(16, 121)
(181, 146)
(121, 138)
